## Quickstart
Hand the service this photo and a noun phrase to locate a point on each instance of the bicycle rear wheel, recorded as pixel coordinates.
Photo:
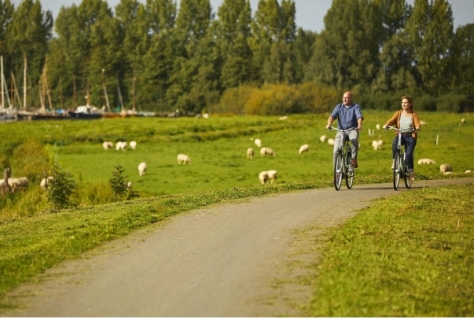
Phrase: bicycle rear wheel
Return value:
(338, 171)
(396, 171)
(350, 171)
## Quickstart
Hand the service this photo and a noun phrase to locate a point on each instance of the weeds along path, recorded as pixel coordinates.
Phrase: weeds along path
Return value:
(232, 260)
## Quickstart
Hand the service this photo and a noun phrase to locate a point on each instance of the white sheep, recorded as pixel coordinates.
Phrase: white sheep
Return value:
(422, 161)
(468, 171)
(283, 118)
(184, 159)
(45, 182)
(15, 182)
(331, 141)
(463, 121)
(323, 138)
(133, 145)
(250, 153)
(129, 184)
(304, 148)
(106, 145)
(142, 167)
(266, 151)
(258, 142)
(266, 176)
(423, 123)
(121, 145)
(375, 145)
(446, 168)
(377, 126)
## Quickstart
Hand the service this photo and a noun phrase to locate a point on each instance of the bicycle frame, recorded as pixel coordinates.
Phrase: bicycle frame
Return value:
(342, 160)
(400, 168)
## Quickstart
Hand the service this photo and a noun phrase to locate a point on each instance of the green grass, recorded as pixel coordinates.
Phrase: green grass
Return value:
(407, 256)
(33, 238)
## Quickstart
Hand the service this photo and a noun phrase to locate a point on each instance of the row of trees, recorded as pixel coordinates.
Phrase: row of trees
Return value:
(158, 58)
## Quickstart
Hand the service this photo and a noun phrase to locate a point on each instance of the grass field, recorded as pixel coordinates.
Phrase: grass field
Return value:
(33, 238)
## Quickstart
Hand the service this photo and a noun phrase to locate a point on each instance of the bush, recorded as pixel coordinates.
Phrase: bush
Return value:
(61, 188)
(119, 185)
(450, 103)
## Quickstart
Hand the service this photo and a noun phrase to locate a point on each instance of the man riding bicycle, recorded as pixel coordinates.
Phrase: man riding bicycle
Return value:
(348, 115)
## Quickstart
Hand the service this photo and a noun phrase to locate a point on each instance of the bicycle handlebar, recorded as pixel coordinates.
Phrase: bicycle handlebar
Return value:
(397, 129)
(330, 128)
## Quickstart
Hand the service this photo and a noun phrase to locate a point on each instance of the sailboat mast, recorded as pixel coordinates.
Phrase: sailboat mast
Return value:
(24, 82)
(1, 61)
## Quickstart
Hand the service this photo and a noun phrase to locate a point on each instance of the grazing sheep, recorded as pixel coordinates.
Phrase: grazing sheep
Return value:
(184, 159)
(422, 161)
(142, 168)
(13, 183)
(266, 176)
(446, 168)
(45, 182)
(106, 145)
(250, 153)
(129, 184)
(331, 141)
(323, 138)
(423, 123)
(121, 145)
(463, 121)
(468, 171)
(304, 148)
(266, 151)
(258, 142)
(133, 145)
(283, 118)
(377, 126)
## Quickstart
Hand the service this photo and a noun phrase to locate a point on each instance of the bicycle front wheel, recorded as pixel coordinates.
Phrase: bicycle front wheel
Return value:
(396, 171)
(338, 171)
(350, 171)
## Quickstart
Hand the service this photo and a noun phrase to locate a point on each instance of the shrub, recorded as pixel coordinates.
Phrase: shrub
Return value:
(61, 188)
(119, 185)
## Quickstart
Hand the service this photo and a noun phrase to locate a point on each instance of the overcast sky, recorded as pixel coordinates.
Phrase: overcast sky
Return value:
(309, 13)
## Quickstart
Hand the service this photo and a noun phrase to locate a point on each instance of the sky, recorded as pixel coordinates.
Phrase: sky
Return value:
(309, 13)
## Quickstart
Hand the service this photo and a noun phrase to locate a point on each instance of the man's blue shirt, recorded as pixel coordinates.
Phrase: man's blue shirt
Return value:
(347, 116)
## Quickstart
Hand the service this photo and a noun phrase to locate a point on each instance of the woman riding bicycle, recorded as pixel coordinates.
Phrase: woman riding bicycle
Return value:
(407, 120)
(348, 115)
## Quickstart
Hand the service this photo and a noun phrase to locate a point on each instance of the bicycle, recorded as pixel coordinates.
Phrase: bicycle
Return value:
(400, 167)
(342, 160)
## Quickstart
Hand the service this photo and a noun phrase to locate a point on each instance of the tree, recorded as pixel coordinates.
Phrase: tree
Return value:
(61, 188)
(463, 49)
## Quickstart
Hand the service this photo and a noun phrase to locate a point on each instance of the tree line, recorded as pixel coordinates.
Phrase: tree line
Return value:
(156, 56)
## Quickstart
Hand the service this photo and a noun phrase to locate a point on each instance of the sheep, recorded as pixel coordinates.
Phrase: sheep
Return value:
(121, 145)
(266, 151)
(142, 167)
(304, 148)
(258, 142)
(323, 138)
(377, 126)
(331, 141)
(250, 153)
(422, 161)
(283, 118)
(463, 121)
(133, 145)
(423, 123)
(468, 171)
(446, 169)
(45, 182)
(13, 183)
(106, 145)
(266, 176)
(184, 159)
(129, 185)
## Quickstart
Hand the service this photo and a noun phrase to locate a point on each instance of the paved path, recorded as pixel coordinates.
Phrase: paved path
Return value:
(219, 261)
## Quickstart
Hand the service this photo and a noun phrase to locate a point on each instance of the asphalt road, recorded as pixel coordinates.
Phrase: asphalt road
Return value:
(222, 261)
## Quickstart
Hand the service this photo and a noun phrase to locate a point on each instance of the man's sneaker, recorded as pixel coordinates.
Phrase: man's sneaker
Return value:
(354, 163)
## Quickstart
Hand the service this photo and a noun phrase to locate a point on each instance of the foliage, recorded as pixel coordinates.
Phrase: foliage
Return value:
(120, 186)
(60, 188)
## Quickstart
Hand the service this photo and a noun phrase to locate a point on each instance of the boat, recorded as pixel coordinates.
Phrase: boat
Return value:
(86, 112)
